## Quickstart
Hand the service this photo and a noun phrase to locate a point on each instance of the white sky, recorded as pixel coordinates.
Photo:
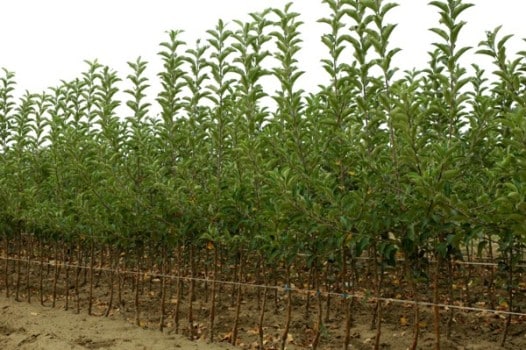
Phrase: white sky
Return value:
(46, 41)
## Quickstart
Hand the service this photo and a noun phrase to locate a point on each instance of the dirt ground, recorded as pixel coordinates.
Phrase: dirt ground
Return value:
(31, 326)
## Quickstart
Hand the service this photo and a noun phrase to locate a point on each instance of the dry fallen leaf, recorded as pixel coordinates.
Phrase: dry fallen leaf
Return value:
(290, 338)
(227, 337)
(253, 331)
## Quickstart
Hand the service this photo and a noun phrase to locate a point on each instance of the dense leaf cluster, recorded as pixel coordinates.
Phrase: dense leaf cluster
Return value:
(427, 162)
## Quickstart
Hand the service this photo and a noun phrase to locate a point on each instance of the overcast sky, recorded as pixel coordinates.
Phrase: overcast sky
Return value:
(46, 41)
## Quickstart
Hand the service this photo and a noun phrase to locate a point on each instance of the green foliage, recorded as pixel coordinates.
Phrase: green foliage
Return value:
(377, 161)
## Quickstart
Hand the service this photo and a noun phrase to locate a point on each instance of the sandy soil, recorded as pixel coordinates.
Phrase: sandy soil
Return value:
(31, 326)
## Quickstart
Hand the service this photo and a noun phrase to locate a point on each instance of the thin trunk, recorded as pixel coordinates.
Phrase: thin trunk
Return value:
(168, 270)
(416, 324)
(276, 299)
(56, 274)
(6, 270)
(221, 267)
(41, 272)
(151, 258)
(319, 323)
(285, 334)
(469, 254)
(234, 287)
(179, 288)
(310, 284)
(343, 274)
(416, 320)
(261, 318)
(7, 291)
(112, 260)
(346, 301)
(436, 308)
(163, 287)
(48, 263)
(379, 307)
(379, 316)
(451, 312)
(120, 278)
(101, 265)
(258, 280)
(491, 283)
(510, 297)
(85, 269)
(213, 298)
(328, 288)
(239, 297)
(349, 303)
(207, 258)
(77, 276)
(18, 264)
(91, 265)
(66, 268)
(28, 274)
(191, 295)
(138, 274)
(373, 270)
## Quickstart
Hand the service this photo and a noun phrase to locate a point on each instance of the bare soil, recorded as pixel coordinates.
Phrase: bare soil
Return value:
(31, 326)
(26, 325)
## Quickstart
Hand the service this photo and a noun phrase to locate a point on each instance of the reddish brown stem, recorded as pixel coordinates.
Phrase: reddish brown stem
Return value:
(261, 319)
(91, 265)
(238, 299)
(213, 297)
(163, 287)
(138, 274)
(285, 334)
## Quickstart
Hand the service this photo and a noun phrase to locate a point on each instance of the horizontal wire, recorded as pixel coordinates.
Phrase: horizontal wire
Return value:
(456, 262)
(285, 288)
